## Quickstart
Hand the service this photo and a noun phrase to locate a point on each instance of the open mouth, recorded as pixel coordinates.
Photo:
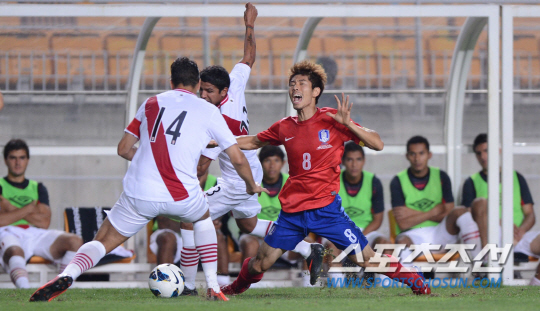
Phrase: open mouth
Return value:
(297, 98)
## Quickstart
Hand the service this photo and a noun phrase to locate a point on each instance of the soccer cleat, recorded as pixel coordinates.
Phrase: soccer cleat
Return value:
(314, 262)
(421, 288)
(212, 295)
(231, 289)
(53, 288)
(189, 292)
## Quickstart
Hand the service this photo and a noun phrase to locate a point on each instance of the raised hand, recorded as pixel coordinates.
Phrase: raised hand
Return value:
(250, 14)
(343, 114)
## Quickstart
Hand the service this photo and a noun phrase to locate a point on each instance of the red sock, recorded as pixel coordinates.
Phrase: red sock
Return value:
(403, 274)
(245, 278)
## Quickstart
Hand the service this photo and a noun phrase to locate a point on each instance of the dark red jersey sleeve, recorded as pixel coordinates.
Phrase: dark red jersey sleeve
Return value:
(346, 134)
(271, 135)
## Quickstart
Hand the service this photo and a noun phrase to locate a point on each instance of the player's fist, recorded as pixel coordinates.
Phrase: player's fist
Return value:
(250, 14)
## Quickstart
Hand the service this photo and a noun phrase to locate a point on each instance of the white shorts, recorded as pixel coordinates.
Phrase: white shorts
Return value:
(432, 235)
(129, 215)
(231, 196)
(154, 246)
(33, 241)
(524, 245)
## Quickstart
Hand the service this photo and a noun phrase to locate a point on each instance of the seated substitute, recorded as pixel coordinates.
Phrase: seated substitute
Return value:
(475, 196)
(165, 241)
(423, 204)
(361, 193)
(24, 218)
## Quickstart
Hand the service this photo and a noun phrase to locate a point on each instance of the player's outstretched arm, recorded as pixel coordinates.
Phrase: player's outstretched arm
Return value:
(126, 146)
(250, 48)
(250, 142)
(370, 138)
(241, 164)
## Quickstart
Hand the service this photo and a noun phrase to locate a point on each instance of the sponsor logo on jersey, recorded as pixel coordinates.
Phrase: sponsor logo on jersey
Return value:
(423, 204)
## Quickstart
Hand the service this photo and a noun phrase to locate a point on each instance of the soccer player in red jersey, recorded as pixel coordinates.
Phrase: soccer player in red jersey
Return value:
(314, 141)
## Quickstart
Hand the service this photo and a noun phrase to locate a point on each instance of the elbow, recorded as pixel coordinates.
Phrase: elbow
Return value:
(122, 150)
(379, 146)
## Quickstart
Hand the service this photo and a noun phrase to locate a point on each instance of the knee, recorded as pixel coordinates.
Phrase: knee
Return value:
(73, 242)
(246, 227)
(479, 208)
(12, 251)
(249, 243)
(404, 240)
(166, 240)
(457, 212)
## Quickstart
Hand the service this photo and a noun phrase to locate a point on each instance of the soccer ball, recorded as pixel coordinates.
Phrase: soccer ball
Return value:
(166, 281)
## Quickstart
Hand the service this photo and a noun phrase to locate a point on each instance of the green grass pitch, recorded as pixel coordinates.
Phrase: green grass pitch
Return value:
(282, 299)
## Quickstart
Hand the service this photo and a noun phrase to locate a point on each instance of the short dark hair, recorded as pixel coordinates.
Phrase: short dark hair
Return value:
(184, 71)
(16, 144)
(315, 73)
(480, 139)
(270, 151)
(217, 76)
(417, 140)
(352, 146)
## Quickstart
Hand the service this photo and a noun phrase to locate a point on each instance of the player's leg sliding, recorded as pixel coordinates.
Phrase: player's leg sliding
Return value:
(244, 280)
(312, 253)
(206, 245)
(87, 257)
(414, 279)
(189, 262)
(17, 272)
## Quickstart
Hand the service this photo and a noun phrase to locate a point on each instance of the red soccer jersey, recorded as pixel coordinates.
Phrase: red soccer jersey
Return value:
(314, 150)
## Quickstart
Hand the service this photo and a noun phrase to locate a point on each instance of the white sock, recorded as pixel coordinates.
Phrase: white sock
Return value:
(68, 256)
(223, 279)
(306, 278)
(189, 261)
(535, 282)
(87, 257)
(206, 244)
(303, 248)
(468, 233)
(261, 228)
(17, 272)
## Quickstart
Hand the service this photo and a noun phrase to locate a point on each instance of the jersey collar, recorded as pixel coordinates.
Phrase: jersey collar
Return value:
(223, 101)
(184, 91)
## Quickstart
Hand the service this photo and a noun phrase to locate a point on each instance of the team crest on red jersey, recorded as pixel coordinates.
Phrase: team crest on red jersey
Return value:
(324, 137)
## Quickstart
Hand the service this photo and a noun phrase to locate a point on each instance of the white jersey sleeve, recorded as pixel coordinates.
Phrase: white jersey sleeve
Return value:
(212, 153)
(134, 126)
(239, 77)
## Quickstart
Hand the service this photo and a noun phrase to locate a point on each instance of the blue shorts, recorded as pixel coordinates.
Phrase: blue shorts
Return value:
(330, 222)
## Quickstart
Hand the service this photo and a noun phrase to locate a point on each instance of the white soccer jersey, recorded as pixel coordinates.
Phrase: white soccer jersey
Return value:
(234, 111)
(174, 128)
